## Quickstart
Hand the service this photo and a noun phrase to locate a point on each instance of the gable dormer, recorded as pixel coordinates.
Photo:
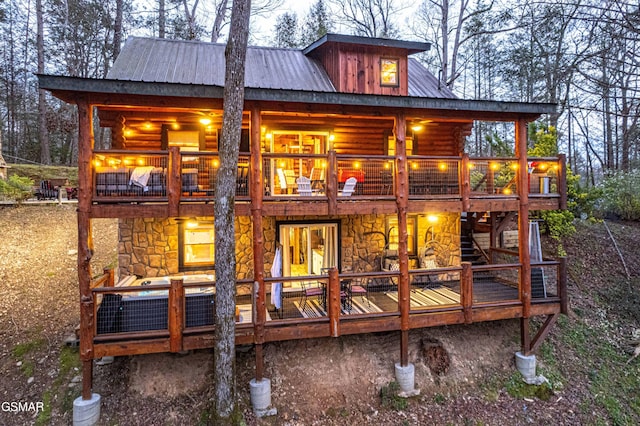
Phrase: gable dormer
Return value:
(365, 65)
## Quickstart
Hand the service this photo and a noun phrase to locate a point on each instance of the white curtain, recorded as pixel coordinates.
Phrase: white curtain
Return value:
(286, 252)
(330, 247)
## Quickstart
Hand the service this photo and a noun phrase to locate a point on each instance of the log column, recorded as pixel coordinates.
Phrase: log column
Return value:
(523, 233)
(85, 243)
(256, 181)
(402, 191)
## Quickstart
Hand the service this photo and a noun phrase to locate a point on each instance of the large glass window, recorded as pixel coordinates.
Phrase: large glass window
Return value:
(308, 247)
(285, 168)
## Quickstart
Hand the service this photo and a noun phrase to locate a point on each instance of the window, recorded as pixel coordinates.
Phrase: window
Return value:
(389, 72)
(392, 233)
(186, 138)
(196, 239)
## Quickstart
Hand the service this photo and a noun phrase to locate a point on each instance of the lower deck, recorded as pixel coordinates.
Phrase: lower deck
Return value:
(178, 313)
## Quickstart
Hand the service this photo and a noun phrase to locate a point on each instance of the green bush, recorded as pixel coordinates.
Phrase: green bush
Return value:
(16, 188)
(621, 195)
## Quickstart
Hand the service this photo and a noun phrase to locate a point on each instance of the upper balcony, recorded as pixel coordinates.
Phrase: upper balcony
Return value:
(175, 183)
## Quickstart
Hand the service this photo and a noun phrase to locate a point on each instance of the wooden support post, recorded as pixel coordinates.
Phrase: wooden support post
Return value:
(110, 272)
(87, 378)
(85, 243)
(332, 182)
(465, 179)
(334, 300)
(256, 180)
(523, 218)
(402, 200)
(466, 292)
(176, 315)
(174, 182)
(525, 336)
(562, 284)
(562, 181)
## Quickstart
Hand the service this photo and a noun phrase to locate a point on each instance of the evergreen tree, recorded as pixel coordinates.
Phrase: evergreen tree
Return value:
(286, 31)
(316, 23)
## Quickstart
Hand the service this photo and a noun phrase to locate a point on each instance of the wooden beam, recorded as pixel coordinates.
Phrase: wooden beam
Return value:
(542, 333)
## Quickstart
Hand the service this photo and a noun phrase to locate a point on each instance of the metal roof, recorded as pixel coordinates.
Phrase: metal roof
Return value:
(423, 84)
(188, 62)
(156, 60)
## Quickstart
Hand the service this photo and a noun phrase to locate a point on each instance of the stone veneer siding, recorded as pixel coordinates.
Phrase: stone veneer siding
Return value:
(148, 247)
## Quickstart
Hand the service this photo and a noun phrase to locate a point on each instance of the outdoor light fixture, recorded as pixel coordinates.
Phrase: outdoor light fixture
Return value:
(506, 191)
(205, 121)
(215, 162)
(192, 223)
(442, 166)
(494, 166)
(417, 127)
(432, 218)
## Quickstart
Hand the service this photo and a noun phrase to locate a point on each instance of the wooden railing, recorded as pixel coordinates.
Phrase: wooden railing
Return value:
(191, 176)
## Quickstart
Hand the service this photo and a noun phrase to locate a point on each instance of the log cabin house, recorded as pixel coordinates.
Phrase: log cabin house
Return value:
(357, 208)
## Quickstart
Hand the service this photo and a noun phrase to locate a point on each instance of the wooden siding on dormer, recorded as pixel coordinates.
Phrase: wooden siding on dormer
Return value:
(356, 69)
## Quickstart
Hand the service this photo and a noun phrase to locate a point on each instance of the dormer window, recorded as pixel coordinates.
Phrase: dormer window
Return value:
(389, 72)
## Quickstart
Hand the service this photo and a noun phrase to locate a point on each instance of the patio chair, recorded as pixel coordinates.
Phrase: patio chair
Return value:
(304, 186)
(359, 288)
(349, 187)
(310, 290)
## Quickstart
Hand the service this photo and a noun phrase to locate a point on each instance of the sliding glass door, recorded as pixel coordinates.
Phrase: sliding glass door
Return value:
(308, 248)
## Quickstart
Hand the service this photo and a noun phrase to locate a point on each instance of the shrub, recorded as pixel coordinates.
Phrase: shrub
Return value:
(17, 188)
(621, 195)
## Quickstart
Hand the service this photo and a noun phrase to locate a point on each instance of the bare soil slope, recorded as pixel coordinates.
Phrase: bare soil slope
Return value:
(465, 373)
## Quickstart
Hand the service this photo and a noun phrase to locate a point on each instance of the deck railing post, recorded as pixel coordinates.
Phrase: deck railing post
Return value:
(110, 281)
(466, 292)
(562, 180)
(174, 182)
(332, 182)
(562, 284)
(333, 302)
(176, 315)
(465, 180)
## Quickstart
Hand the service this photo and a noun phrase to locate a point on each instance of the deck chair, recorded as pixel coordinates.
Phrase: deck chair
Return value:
(349, 187)
(317, 178)
(304, 186)
(309, 290)
(359, 288)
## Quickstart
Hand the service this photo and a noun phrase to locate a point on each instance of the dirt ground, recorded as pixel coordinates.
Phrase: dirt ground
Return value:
(463, 372)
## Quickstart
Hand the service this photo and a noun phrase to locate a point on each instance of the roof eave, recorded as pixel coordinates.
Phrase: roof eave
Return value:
(70, 89)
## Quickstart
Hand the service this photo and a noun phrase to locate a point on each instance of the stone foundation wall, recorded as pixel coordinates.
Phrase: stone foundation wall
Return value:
(148, 247)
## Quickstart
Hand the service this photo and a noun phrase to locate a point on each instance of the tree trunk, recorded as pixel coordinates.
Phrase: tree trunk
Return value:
(224, 211)
(45, 154)
(162, 20)
(117, 30)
